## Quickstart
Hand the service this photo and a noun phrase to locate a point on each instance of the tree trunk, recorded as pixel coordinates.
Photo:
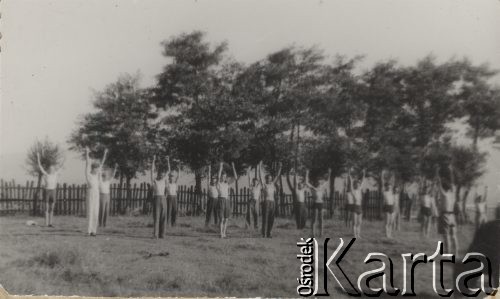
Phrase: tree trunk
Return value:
(464, 205)
(129, 193)
(198, 181)
(120, 195)
(35, 211)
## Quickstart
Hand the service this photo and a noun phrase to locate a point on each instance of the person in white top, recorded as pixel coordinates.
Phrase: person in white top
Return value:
(158, 183)
(448, 223)
(357, 195)
(268, 205)
(389, 198)
(318, 192)
(224, 201)
(171, 218)
(92, 174)
(104, 195)
(255, 200)
(480, 201)
(212, 199)
(50, 177)
(299, 204)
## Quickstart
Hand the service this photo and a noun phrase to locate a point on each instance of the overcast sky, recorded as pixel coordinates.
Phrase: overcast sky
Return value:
(54, 53)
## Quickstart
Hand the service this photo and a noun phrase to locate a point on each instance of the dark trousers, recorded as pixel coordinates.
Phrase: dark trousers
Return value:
(171, 210)
(211, 209)
(160, 209)
(267, 217)
(217, 211)
(300, 214)
(252, 211)
(103, 209)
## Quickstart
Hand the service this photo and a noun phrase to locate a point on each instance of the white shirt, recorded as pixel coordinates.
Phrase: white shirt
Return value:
(223, 189)
(213, 192)
(388, 198)
(159, 187)
(301, 195)
(481, 207)
(104, 186)
(172, 189)
(269, 190)
(256, 191)
(51, 181)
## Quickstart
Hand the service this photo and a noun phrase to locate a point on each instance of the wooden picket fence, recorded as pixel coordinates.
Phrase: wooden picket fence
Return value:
(138, 199)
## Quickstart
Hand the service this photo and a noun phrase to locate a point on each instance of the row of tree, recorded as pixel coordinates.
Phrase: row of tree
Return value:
(297, 107)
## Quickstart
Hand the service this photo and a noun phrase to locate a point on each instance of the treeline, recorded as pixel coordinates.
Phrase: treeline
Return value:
(299, 107)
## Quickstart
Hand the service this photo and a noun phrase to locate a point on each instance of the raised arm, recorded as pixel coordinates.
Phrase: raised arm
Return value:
(249, 175)
(219, 175)
(277, 175)
(40, 164)
(153, 169)
(234, 172)
(87, 164)
(325, 184)
(209, 178)
(289, 181)
(307, 180)
(259, 170)
(439, 185)
(485, 196)
(363, 180)
(350, 180)
(178, 173)
(103, 159)
(452, 177)
(168, 166)
(114, 171)
(382, 178)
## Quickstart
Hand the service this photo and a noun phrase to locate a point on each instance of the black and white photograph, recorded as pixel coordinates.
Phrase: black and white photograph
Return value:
(245, 148)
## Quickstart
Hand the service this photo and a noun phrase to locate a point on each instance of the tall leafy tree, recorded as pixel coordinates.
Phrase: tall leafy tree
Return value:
(120, 124)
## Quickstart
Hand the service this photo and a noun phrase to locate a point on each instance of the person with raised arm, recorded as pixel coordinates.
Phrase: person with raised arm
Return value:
(357, 194)
(480, 202)
(389, 202)
(92, 175)
(158, 182)
(51, 176)
(213, 199)
(172, 195)
(447, 222)
(268, 206)
(349, 207)
(104, 194)
(253, 208)
(318, 191)
(427, 203)
(224, 201)
(299, 206)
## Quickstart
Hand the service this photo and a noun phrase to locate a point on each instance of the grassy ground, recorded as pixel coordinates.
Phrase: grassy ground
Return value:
(123, 260)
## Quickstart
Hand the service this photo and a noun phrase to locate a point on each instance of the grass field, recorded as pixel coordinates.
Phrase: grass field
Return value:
(124, 260)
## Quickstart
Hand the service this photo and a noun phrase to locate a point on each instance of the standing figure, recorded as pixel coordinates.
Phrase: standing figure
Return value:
(357, 195)
(349, 207)
(447, 225)
(172, 195)
(318, 193)
(92, 174)
(299, 206)
(50, 177)
(268, 205)
(427, 203)
(158, 183)
(253, 208)
(104, 195)
(480, 201)
(224, 201)
(389, 202)
(213, 198)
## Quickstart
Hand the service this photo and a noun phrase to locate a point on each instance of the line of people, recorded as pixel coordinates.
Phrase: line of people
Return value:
(437, 199)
